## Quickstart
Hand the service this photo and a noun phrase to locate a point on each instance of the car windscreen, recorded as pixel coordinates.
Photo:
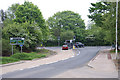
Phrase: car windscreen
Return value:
(64, 45)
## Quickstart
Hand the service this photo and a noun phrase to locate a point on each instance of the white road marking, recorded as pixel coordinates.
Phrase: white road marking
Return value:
(21, 69)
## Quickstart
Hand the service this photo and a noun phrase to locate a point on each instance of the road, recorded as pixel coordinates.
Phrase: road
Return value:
(53, 69)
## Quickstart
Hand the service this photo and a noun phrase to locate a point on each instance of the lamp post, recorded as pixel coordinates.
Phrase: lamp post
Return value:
(116, 51)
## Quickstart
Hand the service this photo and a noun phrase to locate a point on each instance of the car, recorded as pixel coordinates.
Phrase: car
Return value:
(79, 44)
(65, 47)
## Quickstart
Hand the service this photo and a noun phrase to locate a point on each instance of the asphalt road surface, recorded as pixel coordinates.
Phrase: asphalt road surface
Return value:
(49, 70)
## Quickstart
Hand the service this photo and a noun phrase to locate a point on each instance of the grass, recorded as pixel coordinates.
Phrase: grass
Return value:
(25, 56)
(5, 60)
(113, 51)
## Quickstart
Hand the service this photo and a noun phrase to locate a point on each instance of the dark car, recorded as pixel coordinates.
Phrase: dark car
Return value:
(79, 44)
(65, 47)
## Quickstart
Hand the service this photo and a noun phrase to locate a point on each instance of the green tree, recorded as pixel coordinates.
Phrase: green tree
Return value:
(66, 20)
(31, 32)
(96, 36)
(67, 35)
(11, 11)
(28, 12)
(3, 15)
(104, 16)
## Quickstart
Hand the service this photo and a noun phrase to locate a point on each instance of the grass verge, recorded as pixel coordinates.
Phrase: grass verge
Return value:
(113, 51)
(26, 56)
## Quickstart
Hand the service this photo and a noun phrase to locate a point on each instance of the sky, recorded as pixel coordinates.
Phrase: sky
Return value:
(50, 7)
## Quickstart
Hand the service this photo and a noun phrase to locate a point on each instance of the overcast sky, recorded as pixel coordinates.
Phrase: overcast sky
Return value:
(49, 7)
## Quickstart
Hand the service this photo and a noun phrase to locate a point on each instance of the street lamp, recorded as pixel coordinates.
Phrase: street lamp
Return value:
(116, 51)
(116, 27)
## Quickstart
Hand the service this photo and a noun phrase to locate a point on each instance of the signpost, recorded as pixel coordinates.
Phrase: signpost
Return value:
(21, 47)
(17, 41)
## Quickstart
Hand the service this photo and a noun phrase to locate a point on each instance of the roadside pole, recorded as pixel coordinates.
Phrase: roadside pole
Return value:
(12, 49)
(116, 28)
(116, 51)
(21, 49)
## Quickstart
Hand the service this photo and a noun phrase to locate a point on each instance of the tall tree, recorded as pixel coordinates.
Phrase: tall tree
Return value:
(68, 35)
(104, 15)
(11, 11)
(28, 12)
(2, 15)
(66, 20)
(31, 32)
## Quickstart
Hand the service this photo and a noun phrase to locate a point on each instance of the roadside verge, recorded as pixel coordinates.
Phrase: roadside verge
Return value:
(61, 55)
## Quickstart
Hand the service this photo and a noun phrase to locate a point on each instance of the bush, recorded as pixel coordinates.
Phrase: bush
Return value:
(0, 47)
(27, 56)
(42, 51)
(7, 48)
(22, 56)
(5, 60)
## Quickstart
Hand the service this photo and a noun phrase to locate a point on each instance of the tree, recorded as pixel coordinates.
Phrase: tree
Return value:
(28, 12)
(10, 14)
(67, 35)
(66, 20)
(11, 11)
(104, 16)
(2, 15)
(96, 36)
(31, 32)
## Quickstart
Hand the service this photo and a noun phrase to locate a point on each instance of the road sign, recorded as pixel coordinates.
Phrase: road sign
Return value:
(70, 41)
(16, 41)
(21, 45)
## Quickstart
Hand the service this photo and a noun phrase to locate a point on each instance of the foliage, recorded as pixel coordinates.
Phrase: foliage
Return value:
(25, 21)
(65, 20)
(0, 47)
(21, 56)
(96, 36)
(7, 48)
(42, 51)
(28, 12)
(0, 41)
(3, 15)
(5, 60)
(11, 11)
(10, 14)
(27, 56)
(31, 32)
(67, 35)
(104, 16)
